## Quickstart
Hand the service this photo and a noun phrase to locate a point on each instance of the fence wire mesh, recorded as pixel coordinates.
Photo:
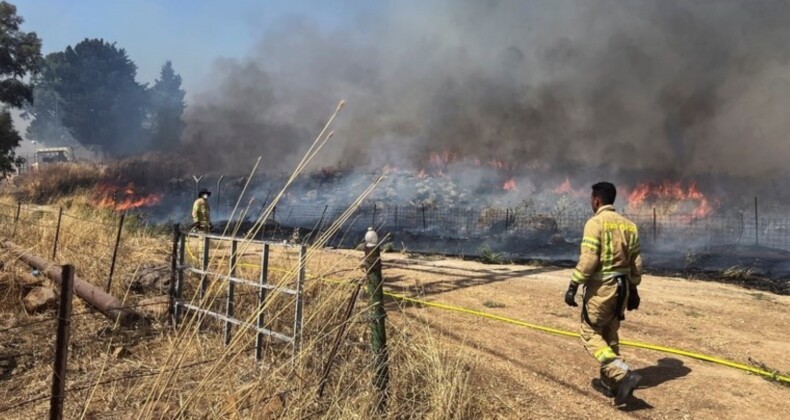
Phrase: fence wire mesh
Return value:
(463, 223)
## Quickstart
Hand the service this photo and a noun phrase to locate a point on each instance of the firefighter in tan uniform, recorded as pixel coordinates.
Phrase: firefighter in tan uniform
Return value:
(201, 213)
(610, 268)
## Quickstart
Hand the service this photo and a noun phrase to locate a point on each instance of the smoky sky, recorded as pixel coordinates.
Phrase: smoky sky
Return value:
(681, 87)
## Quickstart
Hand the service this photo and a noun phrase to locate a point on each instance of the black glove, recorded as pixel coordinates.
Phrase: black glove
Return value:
(633, 299)
(570, 295)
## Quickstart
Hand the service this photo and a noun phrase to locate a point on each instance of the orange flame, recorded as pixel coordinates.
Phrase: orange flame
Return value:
(668, 191)
(567, 189)
(122, 199)
(510, 185)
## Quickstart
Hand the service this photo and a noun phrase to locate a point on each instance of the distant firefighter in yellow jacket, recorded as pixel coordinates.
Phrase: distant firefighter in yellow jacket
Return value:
(201, 213)
(610, 268)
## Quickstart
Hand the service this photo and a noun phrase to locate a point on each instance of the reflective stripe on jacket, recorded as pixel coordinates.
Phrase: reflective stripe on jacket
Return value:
(610, 247)
(200, 211)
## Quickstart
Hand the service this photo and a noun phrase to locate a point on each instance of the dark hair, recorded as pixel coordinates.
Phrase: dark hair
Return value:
(605, 191)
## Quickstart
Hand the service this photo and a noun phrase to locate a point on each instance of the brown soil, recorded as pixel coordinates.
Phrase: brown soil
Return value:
(537, 375)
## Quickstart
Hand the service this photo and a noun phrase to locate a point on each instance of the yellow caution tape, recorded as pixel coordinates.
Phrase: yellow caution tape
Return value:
(669, 350)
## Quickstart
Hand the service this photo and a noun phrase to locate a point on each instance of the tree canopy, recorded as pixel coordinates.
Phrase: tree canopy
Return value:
(20, 56)
(88, 93)
(167, 106)
(94, 92)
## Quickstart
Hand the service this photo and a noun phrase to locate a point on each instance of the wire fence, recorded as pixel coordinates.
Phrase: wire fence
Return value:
(61, 236)
(93, 244)
(414, 224)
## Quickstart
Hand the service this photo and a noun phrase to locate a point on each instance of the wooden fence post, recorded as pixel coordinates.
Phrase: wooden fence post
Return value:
(62, 343)
(179, 276)
(171, 306)
(300, 277)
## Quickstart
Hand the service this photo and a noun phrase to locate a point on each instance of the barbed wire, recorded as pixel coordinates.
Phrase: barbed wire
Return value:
(89, 311)
(90, 384)
(29, 221)
(107, 225)
(84, 238)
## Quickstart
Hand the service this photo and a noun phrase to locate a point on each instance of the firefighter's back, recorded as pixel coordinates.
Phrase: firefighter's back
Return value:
(619, 240)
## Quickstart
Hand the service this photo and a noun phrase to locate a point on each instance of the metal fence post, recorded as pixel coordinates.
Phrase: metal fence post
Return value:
(262, 301)
(655, 224)
(231, 288)
(423, 217)
(197, 183)
(204, 267)
(321, 222)
(373, 219)
(115, 252)
(16, 218)
(298, 312)
(57, 234)
(219, 186)
(378, 334)
(756, 224)
(62, 343)
(171, 305)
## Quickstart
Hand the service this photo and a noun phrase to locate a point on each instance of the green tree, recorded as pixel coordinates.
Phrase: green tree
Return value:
(20, 56)
(97, 97)
(167, 106)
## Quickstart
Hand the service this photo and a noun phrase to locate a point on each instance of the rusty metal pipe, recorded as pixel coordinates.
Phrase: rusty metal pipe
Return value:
(111, 307)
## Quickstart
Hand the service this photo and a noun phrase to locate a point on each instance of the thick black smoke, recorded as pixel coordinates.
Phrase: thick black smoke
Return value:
(676, 87)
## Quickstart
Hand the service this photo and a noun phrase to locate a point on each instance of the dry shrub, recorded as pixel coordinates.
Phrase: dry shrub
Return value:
(58, 180)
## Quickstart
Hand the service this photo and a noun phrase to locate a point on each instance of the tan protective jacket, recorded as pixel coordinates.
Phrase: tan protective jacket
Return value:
(610, 247)
(201, 213)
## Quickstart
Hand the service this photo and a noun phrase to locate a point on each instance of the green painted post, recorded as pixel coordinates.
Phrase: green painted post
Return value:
(378, 332)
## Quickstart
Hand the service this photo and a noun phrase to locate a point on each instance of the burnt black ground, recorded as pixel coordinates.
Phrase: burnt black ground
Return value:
(754, 267)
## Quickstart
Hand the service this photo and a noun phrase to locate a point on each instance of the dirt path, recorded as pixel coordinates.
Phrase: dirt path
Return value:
(537, 375)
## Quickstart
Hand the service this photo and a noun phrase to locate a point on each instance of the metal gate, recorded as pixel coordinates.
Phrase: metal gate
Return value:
(181, 270)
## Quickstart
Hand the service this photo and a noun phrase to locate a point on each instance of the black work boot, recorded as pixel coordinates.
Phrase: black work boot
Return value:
(600, 386)
(626, 388)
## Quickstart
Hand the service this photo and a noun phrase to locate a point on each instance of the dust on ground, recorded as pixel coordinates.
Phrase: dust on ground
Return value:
(536, 375)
